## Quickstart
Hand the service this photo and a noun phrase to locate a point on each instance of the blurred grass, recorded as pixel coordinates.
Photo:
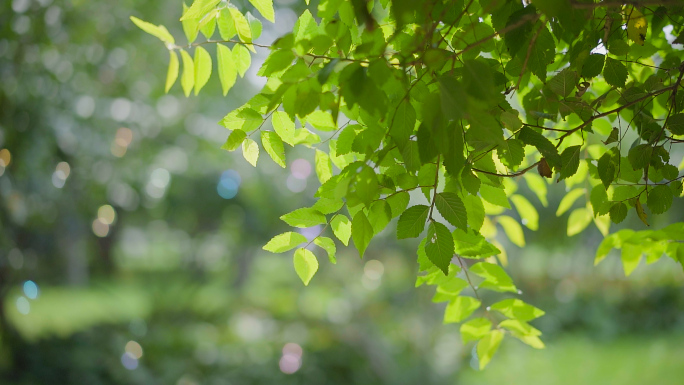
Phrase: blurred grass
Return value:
(577, 359)
(64, 311)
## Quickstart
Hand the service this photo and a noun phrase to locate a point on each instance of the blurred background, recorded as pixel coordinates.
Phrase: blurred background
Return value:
(130, 250)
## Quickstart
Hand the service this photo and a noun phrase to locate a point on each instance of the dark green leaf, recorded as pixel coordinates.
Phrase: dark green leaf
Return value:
(412, 222)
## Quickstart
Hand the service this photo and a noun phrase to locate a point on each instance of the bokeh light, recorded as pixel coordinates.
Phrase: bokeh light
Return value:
(129, 361)
(301, 168)
(62, 172)
(372, 274)
(106, 214)
(291, 360)
(5, 160)
(123, 139)
(23, 305)
(228, 184)
(134, 349)
(30, 289)
(100, 228)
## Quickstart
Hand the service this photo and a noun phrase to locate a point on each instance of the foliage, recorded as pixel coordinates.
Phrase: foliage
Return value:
(459, 100)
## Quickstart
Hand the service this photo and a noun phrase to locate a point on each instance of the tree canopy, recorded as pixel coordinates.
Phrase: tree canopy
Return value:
(461, 102)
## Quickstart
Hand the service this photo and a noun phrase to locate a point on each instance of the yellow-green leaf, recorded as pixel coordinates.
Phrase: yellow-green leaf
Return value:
(274, 147)
(305, 264)
(158, 31)
(226, 68)
(529, 215)
(513, 230)
(631, 256)
(284, 242)
(190, 26)
(242, 27)
(568, 200)
(265, 8)
(459, 309)
(328, 245)
(199, 9)
(284, 126)
(188, 77)
(172, 74)
(323, 166)
(202, 64)
(341, 226)
(578, 221)
(242, 59)
(250, 150)
(487, 346)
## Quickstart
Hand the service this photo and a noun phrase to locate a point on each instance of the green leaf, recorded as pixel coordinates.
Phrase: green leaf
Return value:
(366, 185)
(606, 170)
(631, 256)
(517, 309)
(537, 184)
(460, 308)
(265, 8)
(304, 217)
(398, 203)
(495, 277)
(640, 156)
(284, 126)
(305, 28)
(199, 9)
(615, 72)
(250, 150)
(475, 329)
(274, 147)
(529, 215)
(227, 69)
(158, 31)
(188, 77)
(578, 221)
(439, 246)
(599, 200)
(190, 26)
(488, 346)
(452, 209)
(362, 232)
(202, 65)
(472, 244)
(328, 245)
(242, 27)
(412, 222)
(570, 162)
(494, 195)
(544, 145)
(513, 230)
(208, 23)
(226, 25)
(323, 166)
(676, 124)
(475, 210)
(660, 199)
(284, 242)
(341, 227)
(242, 119)
(403, 123)
(242, 59)
(563, 83)
(593, 65)
(234, 141)
(172, 73)
(618, 212)
(568, 200)
(305, 264)
(379, 215)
